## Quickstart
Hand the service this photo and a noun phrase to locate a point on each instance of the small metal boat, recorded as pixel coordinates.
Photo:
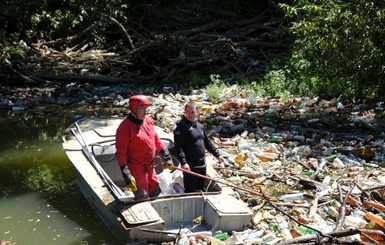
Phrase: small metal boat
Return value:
(90, 145)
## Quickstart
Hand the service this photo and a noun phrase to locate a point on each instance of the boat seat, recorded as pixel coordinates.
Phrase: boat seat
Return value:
(232, 204)
(139, 214)
(229, 213)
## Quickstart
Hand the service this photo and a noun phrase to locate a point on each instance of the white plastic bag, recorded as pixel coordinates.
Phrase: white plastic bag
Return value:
(165, 182)
(177, 177)
(171, 183)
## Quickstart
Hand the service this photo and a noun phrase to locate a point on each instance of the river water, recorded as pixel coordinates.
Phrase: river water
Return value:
(40, 202)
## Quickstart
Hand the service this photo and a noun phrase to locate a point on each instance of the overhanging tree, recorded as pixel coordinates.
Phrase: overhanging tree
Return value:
(342, 42)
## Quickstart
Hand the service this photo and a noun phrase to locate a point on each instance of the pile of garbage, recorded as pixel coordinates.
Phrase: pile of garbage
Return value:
(318, 163)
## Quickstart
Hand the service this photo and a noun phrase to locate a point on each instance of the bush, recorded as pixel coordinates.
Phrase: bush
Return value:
(217, 88)
(340, 44)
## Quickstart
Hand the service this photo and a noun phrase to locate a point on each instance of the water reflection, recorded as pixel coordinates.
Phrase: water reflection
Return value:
(40, 201)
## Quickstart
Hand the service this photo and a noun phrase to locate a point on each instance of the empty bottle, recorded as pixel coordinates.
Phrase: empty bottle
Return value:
(221, 236)
(293, 196)
(304, 230)
(375, 235)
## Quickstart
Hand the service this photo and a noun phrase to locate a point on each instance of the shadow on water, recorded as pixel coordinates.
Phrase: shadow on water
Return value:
(40, 200)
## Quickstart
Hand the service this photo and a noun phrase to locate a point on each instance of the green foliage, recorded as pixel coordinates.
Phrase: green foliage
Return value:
(14, 52)
(275, 82)
(253, 87)
(340, 43)
(292, 76)
(216, 88)
(53, 19)
(55, 22)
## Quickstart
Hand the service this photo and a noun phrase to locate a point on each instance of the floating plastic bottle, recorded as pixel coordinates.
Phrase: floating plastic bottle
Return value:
(373, 204)
(304, 230)
(284, 231)
(375, 235)
(183, 240)
(370, 165)
(330, 158)
(352, 201)
(201, 234)
(254, 234)
(325, 187)
(221, 236)
(303, 151)
(299, 105)
(375, 218)
(308, 173)
(265, 156)
(332, 211)
(244, 146)
(355, 222)
(240, 158)
(318, 220)
(269, 237)
(244, 134)
(235, 180)
(294, 233)
(293, 196)
(300, 138)
(337, 163)
(276, 139)
(285, 234)
(321, 223)
(349, 161)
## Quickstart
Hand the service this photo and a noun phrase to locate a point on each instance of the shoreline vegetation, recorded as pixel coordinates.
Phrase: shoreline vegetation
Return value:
(277, 47)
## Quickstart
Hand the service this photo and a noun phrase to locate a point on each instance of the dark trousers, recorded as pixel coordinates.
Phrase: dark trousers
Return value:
(193, 183)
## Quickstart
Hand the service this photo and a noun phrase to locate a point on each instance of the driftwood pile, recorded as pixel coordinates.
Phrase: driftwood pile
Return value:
(157, 44)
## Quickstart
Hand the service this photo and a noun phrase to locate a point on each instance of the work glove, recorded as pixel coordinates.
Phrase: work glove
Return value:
(169, 165)
(168, 160)
(128, 178)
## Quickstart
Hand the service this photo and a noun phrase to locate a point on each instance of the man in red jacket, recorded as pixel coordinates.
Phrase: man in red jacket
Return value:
(136, 143)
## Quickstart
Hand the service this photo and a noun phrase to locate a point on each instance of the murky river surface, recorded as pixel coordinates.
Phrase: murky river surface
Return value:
(40, 202)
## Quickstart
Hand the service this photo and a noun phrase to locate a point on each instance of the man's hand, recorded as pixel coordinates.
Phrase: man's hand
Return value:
(128, 178)
(221, 159)
(186, 166)
(223, 162)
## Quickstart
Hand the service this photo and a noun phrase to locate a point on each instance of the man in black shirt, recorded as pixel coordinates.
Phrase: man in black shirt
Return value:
(191, 143)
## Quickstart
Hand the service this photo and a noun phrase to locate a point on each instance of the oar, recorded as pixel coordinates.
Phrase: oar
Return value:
(116, 191)
(223, 182)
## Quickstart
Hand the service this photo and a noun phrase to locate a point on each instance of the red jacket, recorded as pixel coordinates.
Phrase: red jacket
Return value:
(136, 143)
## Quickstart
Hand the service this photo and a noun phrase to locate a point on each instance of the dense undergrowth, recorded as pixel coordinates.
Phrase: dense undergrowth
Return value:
(334, 48)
